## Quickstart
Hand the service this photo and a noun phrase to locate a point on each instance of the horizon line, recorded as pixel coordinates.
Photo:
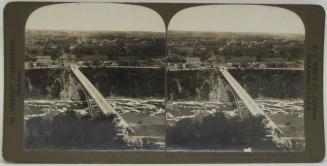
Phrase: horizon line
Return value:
(238, 32)
(77, 30)
(197, 31)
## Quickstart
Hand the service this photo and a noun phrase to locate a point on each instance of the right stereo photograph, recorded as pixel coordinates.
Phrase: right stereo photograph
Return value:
(235, 79)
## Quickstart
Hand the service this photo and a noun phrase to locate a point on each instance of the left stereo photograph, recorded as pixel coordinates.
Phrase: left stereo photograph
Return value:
(94, 80)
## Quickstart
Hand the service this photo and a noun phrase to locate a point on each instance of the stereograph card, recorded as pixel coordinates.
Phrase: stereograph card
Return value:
(163, 82)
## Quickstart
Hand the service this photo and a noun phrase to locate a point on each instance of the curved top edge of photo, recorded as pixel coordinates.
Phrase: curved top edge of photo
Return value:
(238, 19)
(95, 17)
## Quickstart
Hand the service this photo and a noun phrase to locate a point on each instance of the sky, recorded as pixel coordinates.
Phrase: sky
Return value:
(92, 16)
(237, 18)
(122, 17)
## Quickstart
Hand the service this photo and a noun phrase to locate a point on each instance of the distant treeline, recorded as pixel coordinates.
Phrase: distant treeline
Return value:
(111, 44)
(151, 48)
(238, 46)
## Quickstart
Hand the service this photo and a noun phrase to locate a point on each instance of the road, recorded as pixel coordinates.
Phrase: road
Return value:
(124, 67)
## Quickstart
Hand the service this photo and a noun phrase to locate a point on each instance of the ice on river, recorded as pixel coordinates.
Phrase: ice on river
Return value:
(175, 110)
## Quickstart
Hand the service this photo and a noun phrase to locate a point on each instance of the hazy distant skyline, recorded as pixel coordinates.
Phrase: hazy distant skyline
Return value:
(95, 17)
(237, 18)
(122, 17)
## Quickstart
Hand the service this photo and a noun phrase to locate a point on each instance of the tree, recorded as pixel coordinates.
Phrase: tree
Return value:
(218, 131)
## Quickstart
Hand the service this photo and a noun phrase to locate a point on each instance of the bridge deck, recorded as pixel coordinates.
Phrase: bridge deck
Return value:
(253, 108)
(104, 106)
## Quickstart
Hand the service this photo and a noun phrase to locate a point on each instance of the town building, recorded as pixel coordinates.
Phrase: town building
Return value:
(44, 60)
(193, 60)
